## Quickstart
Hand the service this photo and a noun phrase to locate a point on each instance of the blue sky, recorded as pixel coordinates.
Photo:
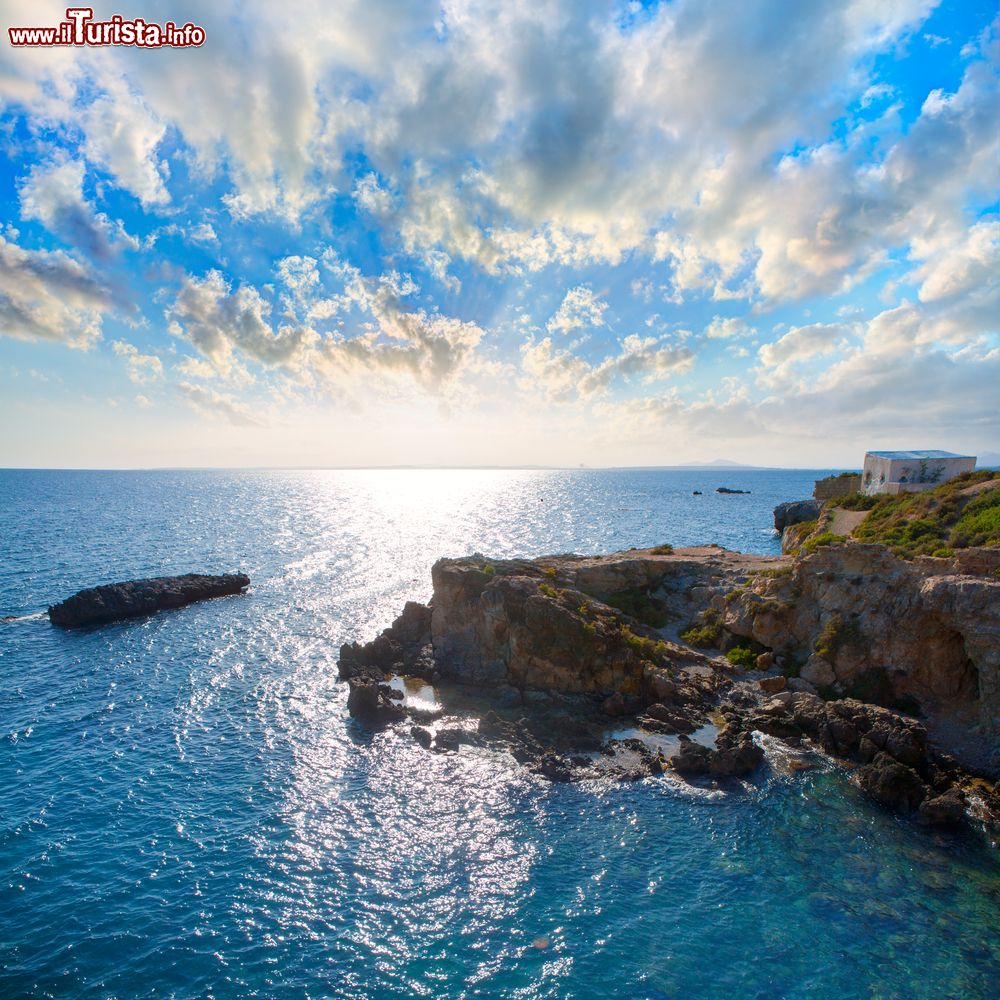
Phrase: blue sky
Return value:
(500, 233)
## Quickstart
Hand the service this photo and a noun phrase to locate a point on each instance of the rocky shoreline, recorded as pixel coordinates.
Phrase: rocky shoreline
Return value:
(658, 660)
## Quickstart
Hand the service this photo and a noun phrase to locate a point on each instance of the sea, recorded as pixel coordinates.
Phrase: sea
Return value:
(187, 810)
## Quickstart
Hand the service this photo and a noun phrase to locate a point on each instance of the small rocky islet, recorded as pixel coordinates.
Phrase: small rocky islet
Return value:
(889, 665)
(133, 598)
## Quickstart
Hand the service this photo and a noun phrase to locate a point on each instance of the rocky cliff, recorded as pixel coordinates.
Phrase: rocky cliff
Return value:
(923, 634)
(853, 640)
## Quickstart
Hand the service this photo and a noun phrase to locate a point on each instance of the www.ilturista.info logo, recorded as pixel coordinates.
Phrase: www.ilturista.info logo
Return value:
(80, 28)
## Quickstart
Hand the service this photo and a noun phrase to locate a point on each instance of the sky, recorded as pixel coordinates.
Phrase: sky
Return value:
(502, 232)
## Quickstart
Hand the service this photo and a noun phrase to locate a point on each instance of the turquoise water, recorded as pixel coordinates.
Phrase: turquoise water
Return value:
(187, 811)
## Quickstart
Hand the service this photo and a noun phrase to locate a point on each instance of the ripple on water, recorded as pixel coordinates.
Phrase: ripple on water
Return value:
(224, 829)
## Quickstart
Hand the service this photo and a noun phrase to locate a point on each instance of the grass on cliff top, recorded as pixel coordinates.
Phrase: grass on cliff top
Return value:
(938, 521)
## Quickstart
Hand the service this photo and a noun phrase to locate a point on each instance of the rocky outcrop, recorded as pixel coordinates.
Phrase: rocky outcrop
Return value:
(143, 597)
(404, 648)
(899, 768)
(545, 628)
(795, 512)
(734, 754)
(521, 628)
(858, 620)
(556, 647)
(372, 702)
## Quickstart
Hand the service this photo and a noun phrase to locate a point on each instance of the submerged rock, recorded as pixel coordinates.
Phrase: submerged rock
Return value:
(143, 597)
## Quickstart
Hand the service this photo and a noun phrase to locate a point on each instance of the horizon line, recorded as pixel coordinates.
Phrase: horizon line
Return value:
(693, 467)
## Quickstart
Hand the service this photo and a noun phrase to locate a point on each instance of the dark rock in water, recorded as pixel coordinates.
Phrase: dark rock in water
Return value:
(892, 784)
(795, 512)
(736, 755)
(368, 703)
(944, 810)
(726, 489)
(555, 767)
(143, 597)
(448, 740)
(696, 493)
(692, 759)
(404, 648)
(422, 736)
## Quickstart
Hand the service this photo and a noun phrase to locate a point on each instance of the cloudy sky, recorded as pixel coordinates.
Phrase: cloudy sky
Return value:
(469, 232)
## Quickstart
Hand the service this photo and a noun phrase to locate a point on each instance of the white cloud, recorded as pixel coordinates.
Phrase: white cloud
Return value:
(217, 320)
(142, 368)
(121, 136)
(515, 134)
(215, 404)
(203, 232)
(800, 344)
(580, 308)
(47, 295)
(53, 194)
(390, 345)
(966, 262)
(563, 376)
(727, 328)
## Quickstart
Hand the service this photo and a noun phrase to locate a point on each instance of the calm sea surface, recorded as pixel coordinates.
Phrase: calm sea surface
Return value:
(187, 811)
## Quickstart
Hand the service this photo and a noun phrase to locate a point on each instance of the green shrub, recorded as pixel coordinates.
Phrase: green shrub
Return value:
(663, 550)
(980, 521)
(922, 523)
(649, 648)
(837, 632)
(705, 631)
(774, 574)
(790, 665)
(854, 501)
(742, 656)
(825, 538)
(548, 591)
(489, 569)
(549, 570)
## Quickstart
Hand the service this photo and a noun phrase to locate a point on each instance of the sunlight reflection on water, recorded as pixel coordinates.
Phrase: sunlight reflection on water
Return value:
(225, 829)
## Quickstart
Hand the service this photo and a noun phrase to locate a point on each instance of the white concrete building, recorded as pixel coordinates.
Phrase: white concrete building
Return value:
(911, 471)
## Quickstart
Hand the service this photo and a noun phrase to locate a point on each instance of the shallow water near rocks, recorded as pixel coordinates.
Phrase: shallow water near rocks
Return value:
(187, 810)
